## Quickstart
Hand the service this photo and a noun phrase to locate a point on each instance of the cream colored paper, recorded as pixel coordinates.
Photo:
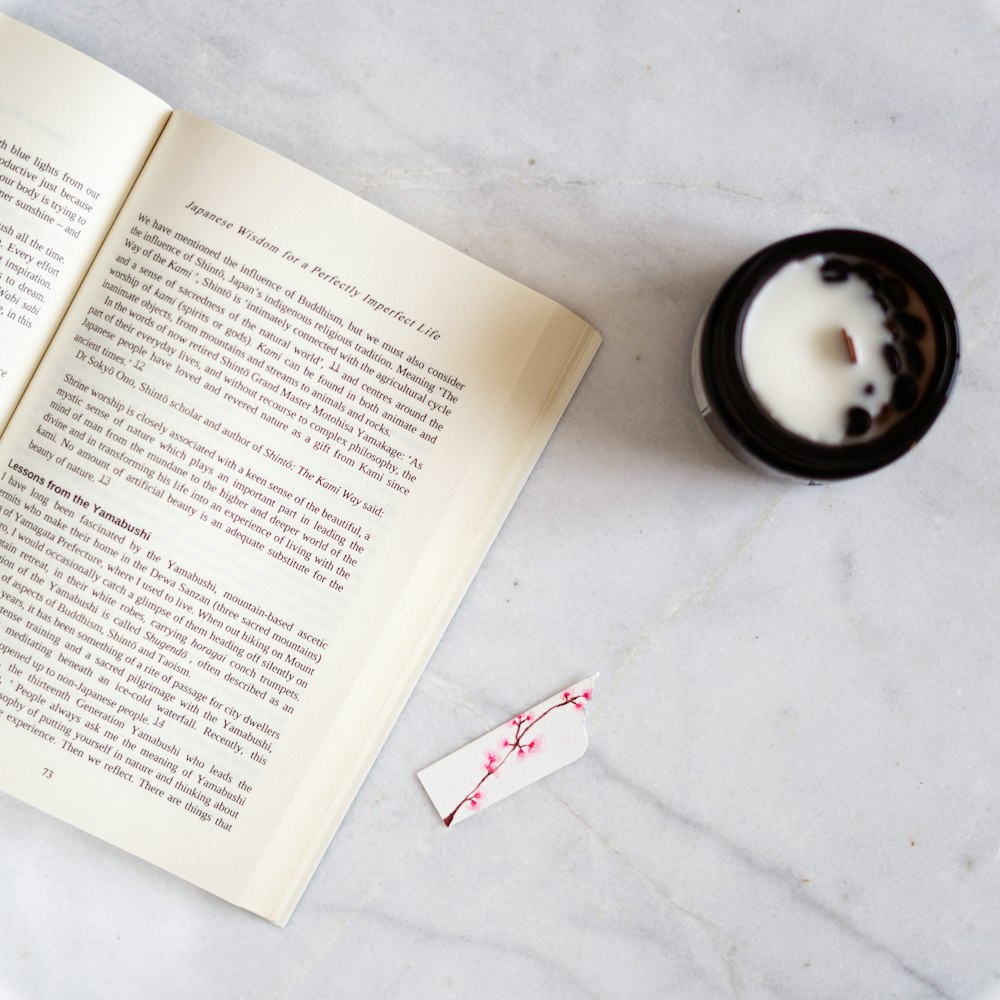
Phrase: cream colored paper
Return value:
(213, 211)
(73, 136)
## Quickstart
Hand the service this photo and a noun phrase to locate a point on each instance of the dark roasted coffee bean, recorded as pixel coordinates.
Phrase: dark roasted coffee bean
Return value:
(859, 421)
(892, 359)
(834, 270)
(912, 326)
(869, 274)
(895, 292)
(904, 392)
(914, 358)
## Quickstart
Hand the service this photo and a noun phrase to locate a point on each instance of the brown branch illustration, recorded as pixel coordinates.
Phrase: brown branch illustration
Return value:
(518, 746)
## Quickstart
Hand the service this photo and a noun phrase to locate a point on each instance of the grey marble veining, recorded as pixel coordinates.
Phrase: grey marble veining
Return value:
(793, 786)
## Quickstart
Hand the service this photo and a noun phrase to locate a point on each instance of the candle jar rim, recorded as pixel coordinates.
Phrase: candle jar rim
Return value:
(742, 416)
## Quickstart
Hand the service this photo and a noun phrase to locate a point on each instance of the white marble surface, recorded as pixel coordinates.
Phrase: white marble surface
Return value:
(793, 785)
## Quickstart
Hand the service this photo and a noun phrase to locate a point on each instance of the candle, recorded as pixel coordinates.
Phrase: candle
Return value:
(826, 349)
(826, 355)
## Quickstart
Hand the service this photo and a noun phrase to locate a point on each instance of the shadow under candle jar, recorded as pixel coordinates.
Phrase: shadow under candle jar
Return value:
(825, 356)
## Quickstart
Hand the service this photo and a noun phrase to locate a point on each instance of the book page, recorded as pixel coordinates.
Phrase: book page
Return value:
(270, 445)
(73, 136)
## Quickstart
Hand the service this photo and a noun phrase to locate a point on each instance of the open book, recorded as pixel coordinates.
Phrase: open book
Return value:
(257, 437)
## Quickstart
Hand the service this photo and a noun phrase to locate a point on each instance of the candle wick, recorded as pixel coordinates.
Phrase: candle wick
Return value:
(849, 344)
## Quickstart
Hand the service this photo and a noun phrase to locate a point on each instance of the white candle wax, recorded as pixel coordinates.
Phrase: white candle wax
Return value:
(813, 351)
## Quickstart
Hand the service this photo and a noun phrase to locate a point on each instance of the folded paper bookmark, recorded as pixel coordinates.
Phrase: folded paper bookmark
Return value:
(505, 760)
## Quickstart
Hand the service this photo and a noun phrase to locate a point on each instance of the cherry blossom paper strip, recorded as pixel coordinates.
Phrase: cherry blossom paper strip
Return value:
(528, 747)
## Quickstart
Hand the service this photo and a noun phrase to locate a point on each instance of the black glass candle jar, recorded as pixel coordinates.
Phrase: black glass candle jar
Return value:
(826, 356)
